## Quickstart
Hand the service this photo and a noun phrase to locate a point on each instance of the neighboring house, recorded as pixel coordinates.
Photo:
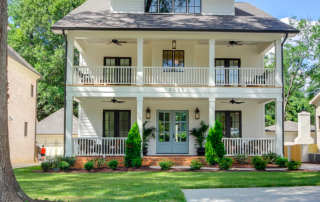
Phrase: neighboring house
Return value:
(290, 132)
(22, 108)
(174, 64)
(316, 103)
(50, 133)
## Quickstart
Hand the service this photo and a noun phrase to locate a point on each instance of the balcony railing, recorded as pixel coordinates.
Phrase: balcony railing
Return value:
(104, 75)
(249, 146)
(98, 146)
(245, 76)
(195, 76)
(176, 75)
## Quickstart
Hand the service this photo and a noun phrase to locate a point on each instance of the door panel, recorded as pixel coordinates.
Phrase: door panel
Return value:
(172, 132)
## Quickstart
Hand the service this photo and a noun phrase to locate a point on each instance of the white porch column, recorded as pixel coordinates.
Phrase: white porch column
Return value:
(279, 121)
(70, 59)
(140, 117)
(139, 62)
(278, 63)
(212, 111)
(69, 126)
(212, 62)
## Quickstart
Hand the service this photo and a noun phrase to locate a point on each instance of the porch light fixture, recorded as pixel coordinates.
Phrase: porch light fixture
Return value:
(148, 113)
(174, 44)
(197, 113)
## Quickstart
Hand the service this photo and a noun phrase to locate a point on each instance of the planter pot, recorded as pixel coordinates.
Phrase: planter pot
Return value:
(145, 151)
(201, 151)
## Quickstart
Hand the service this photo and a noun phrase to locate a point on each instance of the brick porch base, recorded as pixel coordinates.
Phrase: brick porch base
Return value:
(147, 160)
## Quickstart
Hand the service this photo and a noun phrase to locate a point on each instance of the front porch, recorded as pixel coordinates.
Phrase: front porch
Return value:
(103, 125)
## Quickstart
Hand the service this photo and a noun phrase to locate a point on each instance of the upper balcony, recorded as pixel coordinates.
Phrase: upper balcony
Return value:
(173, 59)
(173, 76)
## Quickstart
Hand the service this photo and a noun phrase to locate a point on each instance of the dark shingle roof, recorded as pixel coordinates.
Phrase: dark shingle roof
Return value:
(14, 55)
(54, 124)
(289, 126)
(95, 15)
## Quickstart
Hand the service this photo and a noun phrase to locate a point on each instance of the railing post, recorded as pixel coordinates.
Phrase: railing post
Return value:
(140, 61)
(212, 61)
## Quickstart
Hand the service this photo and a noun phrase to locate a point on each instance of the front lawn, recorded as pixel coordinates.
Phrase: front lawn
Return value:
(148, 186)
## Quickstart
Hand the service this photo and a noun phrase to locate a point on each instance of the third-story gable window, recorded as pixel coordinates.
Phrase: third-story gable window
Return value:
(173, 6)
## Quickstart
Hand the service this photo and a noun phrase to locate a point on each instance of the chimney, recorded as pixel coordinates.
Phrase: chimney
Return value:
(304, 130)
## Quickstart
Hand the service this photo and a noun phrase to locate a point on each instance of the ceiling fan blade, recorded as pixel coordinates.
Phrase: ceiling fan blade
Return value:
(119, 44)
(121, 102)
(239, 102)
(108, 43)
(122, 42)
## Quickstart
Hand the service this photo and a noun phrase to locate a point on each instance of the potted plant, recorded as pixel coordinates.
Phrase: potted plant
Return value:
(199, 134)
(147, 134)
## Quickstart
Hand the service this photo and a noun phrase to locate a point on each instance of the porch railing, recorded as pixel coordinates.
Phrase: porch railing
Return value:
(176, 75)
(249, 146)
(245, 76)
(99, 146)
(104, 75)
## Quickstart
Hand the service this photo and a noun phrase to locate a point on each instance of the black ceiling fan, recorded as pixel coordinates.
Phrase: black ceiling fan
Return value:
(115, 41)
(233, 102)
(235, 43)
(115, 101)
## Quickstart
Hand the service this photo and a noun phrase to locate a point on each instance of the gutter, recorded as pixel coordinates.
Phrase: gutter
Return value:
(65, 91)
(285, 39)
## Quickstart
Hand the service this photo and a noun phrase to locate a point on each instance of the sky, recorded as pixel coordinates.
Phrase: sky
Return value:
(288, 8)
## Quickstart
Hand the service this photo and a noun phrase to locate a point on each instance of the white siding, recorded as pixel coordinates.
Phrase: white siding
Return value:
(218, 7)
(127, 6)
(92, 116)
(195, 55)
(209, 7)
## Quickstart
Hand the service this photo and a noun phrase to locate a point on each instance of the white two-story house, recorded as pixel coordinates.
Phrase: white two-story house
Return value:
(172, 63)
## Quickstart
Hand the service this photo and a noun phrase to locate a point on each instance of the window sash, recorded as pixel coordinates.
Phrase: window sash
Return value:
(173, 6)
(115, 124)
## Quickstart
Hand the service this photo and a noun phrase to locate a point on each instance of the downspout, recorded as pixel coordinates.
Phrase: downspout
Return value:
(65, 91)
(283, 120)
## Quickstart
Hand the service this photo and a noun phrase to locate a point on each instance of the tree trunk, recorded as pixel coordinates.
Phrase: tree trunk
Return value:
(9, 187)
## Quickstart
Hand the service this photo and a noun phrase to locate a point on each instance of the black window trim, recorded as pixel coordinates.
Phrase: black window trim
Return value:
(228, 135)
(144, 4)
(116, 121)
(173, 69)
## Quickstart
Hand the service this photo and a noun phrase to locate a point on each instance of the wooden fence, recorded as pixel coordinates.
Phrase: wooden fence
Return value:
(297, 152)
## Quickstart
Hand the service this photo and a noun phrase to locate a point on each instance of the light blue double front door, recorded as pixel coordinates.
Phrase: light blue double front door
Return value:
(172, 132)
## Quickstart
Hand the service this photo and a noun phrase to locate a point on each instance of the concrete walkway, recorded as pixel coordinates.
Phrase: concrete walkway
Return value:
(311, 166)
(275, 194)
(24, 165)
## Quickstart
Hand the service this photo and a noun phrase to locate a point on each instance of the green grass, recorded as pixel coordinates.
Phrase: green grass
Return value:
(147, 186)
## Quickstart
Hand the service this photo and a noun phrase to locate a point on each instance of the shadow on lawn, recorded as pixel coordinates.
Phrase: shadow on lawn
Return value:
(147, 186)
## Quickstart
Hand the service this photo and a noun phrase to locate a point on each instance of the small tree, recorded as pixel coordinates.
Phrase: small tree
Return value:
(214, 146)
(133, 146)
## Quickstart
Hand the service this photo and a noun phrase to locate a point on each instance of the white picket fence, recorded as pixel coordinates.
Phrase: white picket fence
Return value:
(99, 146)
(249, 146)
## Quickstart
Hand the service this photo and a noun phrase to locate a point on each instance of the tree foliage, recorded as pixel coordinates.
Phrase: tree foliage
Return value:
(31, 37)
(133, 146)
(301, 70)
(214, 145)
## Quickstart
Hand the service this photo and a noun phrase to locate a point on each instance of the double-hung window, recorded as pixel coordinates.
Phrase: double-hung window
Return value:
(230, 122)
(173, 6)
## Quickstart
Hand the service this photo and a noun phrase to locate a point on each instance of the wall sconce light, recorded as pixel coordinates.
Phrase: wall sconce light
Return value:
(174, 44)
(197, 112)
(148, 113)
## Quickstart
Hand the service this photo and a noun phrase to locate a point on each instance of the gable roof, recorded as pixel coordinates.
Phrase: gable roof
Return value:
(96, 15)
(289, 126)
(314, 100)
(14, 55)
(54, 124)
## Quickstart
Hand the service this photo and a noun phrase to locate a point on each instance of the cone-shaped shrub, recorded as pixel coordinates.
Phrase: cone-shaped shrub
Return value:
(133, 146)
(214, 145)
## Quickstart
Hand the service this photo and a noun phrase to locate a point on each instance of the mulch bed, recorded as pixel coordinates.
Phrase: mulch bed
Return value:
(148, 169)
